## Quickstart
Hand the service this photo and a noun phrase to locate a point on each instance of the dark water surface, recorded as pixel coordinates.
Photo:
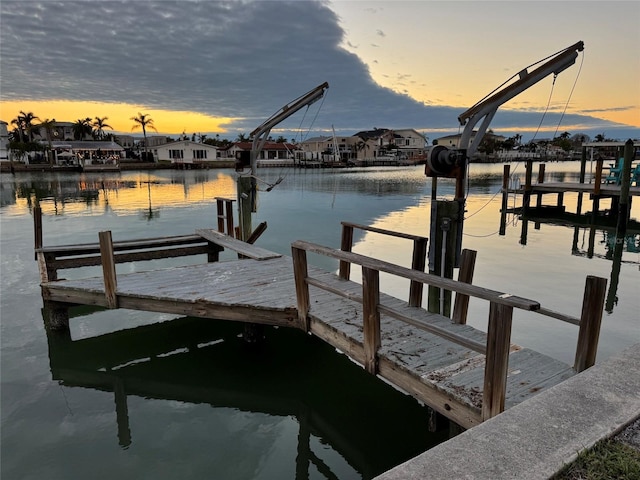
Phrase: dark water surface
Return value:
(141, 395)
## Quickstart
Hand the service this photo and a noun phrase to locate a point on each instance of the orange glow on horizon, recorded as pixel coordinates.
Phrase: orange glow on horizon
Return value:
(167, 122)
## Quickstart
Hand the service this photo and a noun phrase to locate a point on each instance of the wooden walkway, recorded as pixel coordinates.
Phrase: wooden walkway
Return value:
(454, 368)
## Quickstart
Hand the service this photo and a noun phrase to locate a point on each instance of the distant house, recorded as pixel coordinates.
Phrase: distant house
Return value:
(186, 152)
(372, 143)
(4, 141)
(453, 141)
(410, 143)
(86, 152)
(270, 151)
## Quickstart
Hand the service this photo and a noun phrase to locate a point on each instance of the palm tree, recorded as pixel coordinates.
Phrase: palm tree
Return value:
(19, 128)
(143, 120)
(242, 138)
(26, 120)
(99, 124)
(81, 128)
(48, 126)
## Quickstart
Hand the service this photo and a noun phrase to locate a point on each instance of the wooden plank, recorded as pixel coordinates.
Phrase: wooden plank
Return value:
(465, 275)
(94, 260)
(497, 360)
(346, 244)
(371, 318)
(448, 284)
(236, 245)
(108, 269)
(418, 262)
(300, 273)
(89, 248)
(590, 320)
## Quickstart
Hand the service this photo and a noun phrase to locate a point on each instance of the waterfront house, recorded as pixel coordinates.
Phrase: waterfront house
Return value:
(186, 152)
(270, 151)
(4, 141)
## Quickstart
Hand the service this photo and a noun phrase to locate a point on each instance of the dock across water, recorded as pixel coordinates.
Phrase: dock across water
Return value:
(461, 372)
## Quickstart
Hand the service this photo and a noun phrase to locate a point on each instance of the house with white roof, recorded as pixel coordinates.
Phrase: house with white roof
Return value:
(186, 152)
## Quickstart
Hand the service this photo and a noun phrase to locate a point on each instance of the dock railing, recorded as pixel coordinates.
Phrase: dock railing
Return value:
(498, 339)
(418, 261)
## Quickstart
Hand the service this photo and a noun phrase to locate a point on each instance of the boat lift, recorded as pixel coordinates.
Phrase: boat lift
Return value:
(248, 183)
(447, 218)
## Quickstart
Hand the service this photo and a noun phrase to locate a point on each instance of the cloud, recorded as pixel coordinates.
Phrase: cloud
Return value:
(238, 59)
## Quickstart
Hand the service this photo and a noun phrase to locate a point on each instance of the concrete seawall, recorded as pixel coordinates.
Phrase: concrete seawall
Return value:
(535, 439)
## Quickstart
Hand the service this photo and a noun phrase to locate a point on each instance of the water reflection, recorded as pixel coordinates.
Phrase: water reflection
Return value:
(355, 417)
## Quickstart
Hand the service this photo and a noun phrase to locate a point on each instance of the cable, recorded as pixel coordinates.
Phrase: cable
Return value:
(570, 95)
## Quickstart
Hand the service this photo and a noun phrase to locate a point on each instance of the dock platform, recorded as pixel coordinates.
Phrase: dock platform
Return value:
(461, 372)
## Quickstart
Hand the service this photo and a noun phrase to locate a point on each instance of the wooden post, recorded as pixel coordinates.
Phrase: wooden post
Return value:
(122, 413)
(229, 207)
(346, 244)
(590, 320)
(465, 274)
(37, 229)
(220, 212)
(497, 360)
(623, 205)
(526, 196)
(541, 169)
(597, 183)
(56, 316)
(300, 273)
(245, 195)
(108, 269)
(371, 318)
(505, 199)
(418, 262)
(583, 171)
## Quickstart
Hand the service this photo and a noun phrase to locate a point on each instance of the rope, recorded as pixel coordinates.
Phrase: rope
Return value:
(570, 95)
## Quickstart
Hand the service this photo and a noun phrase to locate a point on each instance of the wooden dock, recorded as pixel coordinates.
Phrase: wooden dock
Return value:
(463, 373)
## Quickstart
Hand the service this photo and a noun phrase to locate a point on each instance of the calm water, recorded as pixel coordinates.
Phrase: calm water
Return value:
(185, 398)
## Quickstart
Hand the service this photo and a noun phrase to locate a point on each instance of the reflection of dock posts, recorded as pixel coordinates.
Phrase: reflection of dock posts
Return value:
(615, 274)
(505, 199)
(526, 200)
(122, 413)
(574, 243)
(592, 241)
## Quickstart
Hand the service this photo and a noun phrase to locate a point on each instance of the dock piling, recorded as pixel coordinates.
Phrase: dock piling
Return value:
(590, 320)
(371, 318)
(497, 359)
(108, 269)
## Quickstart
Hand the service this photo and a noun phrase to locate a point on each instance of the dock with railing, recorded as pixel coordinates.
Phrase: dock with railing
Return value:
(617, 181)
(463, 373)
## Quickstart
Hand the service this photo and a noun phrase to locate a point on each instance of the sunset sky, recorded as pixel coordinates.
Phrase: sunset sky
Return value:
(224, 67)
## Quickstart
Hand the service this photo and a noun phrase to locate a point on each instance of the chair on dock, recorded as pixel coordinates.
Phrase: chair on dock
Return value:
(614, 173)
(635, 176)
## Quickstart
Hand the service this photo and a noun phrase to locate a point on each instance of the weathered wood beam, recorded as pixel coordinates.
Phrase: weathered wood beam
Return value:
(592, 306)
(108, 269)
(371, 318)
(465, 275)
(497, 360)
